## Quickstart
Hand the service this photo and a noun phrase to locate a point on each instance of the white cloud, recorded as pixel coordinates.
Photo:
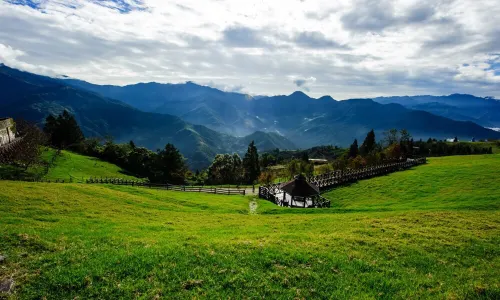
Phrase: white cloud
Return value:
(346, 48)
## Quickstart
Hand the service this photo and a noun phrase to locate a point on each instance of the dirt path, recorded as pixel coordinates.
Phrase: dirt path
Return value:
(250, 191)
(252, 207)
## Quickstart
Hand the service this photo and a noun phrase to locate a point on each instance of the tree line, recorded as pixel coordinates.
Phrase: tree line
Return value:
(168, 164)
(161, 166)
(394, 145)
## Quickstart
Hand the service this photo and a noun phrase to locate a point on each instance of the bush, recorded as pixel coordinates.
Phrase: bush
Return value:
(266, 178)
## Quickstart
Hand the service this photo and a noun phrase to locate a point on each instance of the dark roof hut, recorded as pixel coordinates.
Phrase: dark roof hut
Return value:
(301, 193)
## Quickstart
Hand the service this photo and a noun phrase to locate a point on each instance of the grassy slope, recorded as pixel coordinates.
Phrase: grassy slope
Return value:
(80, 166)
(455, 182)
(413, 234)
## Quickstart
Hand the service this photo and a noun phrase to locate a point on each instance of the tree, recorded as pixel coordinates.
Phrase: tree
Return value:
(237, 175)
(357, 162)
(139, 161)
(251, 164)
(354, 150)
(266, 178)
(63, 131)
(170, 166)
(393, 151)
(304, 156)
(293, 168)
(226, 168)
(391, 137)
(405, 136)
(306, 168)
(323, 169)
(369, 144)
(267, 160)
(28, 150)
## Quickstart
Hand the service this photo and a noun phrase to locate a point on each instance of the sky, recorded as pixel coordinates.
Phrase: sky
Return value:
(346, 49)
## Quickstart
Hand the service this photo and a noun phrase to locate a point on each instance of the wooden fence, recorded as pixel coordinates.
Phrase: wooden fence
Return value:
(333, 179)
(338, 178)
(169, 187)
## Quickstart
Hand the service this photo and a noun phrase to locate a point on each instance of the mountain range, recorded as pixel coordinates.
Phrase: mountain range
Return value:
(483, 111)
(307, 121)
(33, 97)
(202, 121)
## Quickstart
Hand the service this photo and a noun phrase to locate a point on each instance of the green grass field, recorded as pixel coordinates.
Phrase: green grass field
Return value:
(78, 166)
(430, 232)
(66, 165)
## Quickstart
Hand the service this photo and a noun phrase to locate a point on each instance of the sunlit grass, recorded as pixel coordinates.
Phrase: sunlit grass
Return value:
(430, 232)
(79, 167)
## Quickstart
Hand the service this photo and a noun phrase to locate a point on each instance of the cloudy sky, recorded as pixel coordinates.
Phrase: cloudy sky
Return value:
(346, 49)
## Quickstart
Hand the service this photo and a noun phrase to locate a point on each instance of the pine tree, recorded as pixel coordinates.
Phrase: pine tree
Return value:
(63, 131)
(251, 163)
(354, 150)
(170, 165)
(72, 132)
(368, 144)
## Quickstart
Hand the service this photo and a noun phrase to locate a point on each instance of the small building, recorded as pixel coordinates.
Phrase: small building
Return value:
(318, 161)
(7, 131)
(301, 193)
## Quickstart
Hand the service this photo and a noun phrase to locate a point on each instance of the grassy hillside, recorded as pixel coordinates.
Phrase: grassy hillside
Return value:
(455, 182)
(70, 164)
(66, 165)
(431, 232)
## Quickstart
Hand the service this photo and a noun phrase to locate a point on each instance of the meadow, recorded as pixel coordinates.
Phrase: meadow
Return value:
(65, 166)
(429, 232)
(76, 166)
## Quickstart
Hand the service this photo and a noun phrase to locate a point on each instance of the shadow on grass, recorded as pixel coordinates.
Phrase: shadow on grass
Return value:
(13, 172)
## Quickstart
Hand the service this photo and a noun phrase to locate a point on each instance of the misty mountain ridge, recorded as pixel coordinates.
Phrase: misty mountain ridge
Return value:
(203, 121)
(461, 107)
(238, 114)
(34, 97)
(304, 120)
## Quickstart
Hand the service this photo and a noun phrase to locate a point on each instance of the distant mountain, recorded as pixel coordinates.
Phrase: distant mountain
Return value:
(193, 103)
(278, 122)
(323, 121)
(307, 122)
(33, 97)
(265, 141)
(461, 107)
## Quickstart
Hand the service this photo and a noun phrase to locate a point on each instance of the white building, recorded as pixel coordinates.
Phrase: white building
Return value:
(7, 131)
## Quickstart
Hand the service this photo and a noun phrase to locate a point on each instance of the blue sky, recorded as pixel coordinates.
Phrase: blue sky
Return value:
(346, 49)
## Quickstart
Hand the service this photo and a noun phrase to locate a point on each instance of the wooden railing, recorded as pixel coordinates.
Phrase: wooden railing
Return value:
(333, 179)
(338, 178)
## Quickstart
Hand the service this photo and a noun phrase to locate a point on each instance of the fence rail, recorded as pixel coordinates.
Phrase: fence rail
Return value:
(333, 179)
(338, 178)
(169, 187)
